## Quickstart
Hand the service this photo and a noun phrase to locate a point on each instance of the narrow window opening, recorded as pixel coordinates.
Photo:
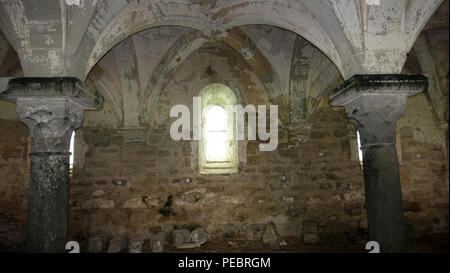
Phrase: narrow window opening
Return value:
(71, 150)
(216, 134)
(360, 153)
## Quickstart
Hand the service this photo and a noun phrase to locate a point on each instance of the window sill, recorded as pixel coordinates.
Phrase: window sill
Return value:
(222, 170)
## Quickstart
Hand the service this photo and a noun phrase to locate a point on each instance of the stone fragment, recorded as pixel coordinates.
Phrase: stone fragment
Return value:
(157, 242)
(199, 236)
(270, 235)
(96, 244)
(181, 236)
(117, 244)
(188, 245)
(135, 244)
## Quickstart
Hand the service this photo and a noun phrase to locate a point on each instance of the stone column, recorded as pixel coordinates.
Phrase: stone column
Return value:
(374, 103)
(51, 108)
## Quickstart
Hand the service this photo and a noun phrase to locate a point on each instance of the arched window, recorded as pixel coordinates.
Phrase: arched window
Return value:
(218, 149)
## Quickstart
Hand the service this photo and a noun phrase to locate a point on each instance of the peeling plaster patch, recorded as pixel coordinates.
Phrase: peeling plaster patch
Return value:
(384, 61)
(223, 12)
(373, 2)
(418, 13)
(56, 62)
(74, 3)
(45, 34)
(48, 40)
(247, 53)
(19, 22)
(347, 13)
(276, 46)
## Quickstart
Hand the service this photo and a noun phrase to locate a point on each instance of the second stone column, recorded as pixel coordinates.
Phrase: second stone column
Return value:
(374, 103)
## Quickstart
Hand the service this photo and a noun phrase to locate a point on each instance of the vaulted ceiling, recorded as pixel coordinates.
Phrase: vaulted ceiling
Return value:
(299, 49)
(71, 36)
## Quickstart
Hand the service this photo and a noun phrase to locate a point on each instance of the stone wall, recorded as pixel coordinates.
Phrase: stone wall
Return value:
(122, 187)
(13, 183)
(423, 168)
(122, 179)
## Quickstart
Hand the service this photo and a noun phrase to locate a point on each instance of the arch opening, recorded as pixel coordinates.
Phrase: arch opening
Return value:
(218, 148)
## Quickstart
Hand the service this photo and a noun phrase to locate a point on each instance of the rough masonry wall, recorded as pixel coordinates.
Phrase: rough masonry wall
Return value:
(323, 186)
(423, 169)
(13, 182)
(119, 188)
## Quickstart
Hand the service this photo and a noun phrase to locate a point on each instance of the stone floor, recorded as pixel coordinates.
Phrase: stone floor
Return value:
(435, 244)
(294, 245)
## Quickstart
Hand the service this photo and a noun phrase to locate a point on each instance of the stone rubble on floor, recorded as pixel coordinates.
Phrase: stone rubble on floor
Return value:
(157, 242)
(271, 236)
(181, 236)
(96, 243)
(135, 244)
(118, 244)
(199, 236)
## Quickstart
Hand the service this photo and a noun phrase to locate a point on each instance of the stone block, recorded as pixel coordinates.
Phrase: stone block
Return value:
(180, 236)
(135, 244)
(157, 242)
(199, 236)
(270, 235)
(96, 243)
(118, 244)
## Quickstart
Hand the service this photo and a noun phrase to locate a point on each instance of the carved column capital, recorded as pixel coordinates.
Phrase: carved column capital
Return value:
(375, 103)
(50, 121)
(51, 108)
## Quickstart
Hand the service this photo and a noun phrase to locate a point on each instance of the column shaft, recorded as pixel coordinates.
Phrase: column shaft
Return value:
(48, 202)
(384, 197)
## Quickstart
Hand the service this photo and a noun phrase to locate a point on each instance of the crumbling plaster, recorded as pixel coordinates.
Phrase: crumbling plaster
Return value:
(357, 37)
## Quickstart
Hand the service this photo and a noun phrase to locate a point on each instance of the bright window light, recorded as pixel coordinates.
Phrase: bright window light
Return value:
(71, 150)
(216, 134)
(360, 155)
(71, 147)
